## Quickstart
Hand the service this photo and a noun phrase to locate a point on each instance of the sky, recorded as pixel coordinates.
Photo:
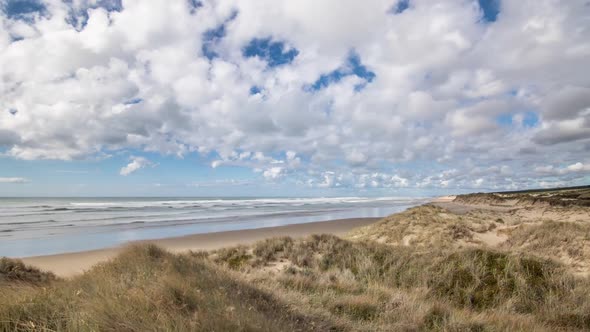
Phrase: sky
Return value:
(292, 98)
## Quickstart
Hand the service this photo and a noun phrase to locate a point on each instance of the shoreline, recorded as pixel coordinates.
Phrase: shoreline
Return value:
(73, 263)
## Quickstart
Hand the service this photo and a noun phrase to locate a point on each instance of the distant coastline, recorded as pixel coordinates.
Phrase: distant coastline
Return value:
(44, 226)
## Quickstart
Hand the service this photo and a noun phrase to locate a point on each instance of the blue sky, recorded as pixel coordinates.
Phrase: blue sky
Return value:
(169, 176)
(253, 98)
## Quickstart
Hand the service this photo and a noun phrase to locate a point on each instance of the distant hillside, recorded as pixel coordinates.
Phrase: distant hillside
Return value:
(542, 190)
(572, 196)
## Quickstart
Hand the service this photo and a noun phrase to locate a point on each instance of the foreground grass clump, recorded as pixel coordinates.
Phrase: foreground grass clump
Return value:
(482, 279)
(146, 289)
(12, 270)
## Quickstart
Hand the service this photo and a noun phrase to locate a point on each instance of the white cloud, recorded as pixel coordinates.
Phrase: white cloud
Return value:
(356, 158)
(273, 173)
(221, 183)
(578, 167)
(137, 79)
(13, 180)
(136, 164)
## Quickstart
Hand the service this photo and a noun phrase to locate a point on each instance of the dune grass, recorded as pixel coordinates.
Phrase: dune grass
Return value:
(421, 270)
(566, 241)
(425, 227)
(553, 239)
(147, 289)
(325, 283)
(360, 284)
(14, 271)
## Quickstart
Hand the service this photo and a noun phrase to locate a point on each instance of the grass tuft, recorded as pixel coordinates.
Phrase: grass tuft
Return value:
(14, 270)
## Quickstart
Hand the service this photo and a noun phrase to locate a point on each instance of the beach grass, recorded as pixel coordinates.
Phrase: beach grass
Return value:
(146, 289)
(326, 283)
(421, 270)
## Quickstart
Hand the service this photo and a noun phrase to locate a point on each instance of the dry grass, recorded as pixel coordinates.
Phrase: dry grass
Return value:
(14, 271)
(425, 227)
(422, 270)
(565, 241)
(366, 286)
(147, 289)
(326, 283)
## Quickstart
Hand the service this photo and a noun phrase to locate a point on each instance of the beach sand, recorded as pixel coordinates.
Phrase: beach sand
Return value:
(69, 264)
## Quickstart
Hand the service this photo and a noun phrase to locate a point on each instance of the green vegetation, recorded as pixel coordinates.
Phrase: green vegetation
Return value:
(565, 197)
(544, 190)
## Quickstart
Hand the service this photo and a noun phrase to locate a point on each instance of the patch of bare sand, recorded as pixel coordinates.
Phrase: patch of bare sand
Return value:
(275, 267)
(443, 199)
(491, 238)
(407, 240)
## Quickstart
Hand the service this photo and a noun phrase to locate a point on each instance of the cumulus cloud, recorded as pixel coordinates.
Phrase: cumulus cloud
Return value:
(136, 164)
(13, 180)
(573, 168)
(330, 94)
(273, 173)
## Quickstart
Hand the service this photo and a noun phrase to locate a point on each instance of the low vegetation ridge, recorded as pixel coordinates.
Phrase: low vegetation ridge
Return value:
(572, 196)
(459, 266)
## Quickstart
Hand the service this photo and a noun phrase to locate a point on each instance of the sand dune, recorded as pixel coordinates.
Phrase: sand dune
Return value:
(69, 264)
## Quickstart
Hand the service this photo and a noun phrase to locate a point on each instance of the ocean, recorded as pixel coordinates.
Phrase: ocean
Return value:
(44, 226)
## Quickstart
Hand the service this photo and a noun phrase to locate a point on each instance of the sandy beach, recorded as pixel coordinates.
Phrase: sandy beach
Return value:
(69, 264)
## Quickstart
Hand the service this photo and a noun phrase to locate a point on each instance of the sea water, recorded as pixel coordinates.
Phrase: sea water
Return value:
(43, 226)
